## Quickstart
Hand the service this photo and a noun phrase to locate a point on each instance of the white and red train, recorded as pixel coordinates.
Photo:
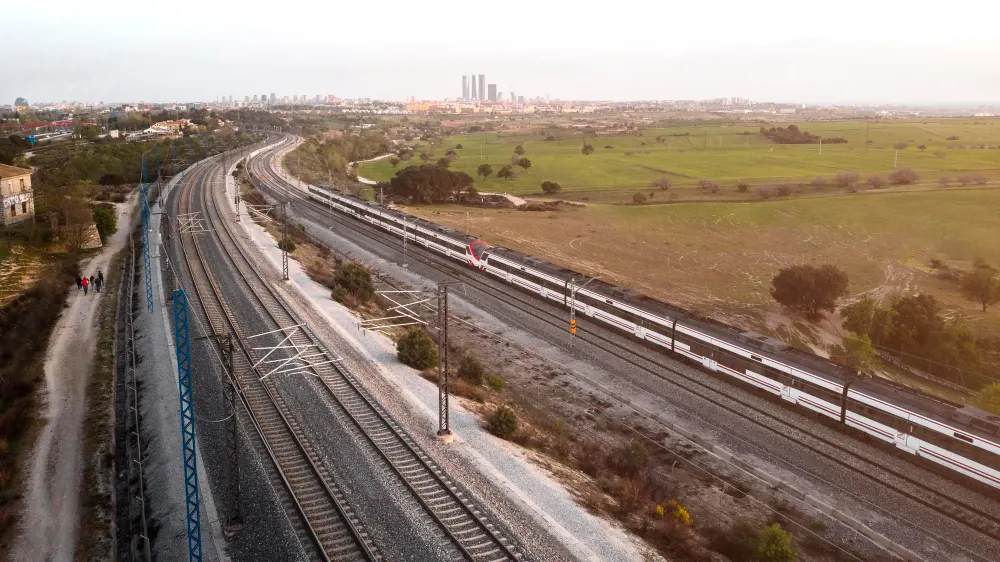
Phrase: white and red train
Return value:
(960, 438)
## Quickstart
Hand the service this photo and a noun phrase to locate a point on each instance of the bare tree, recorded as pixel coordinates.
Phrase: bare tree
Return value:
(900, 146)
(662, 182)
(876, 181)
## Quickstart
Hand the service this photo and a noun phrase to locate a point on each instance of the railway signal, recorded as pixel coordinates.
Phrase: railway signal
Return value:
(572, 326)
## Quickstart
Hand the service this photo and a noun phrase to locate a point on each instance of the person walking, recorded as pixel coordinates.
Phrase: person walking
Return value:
(85, 284)
(100, 276)
(79, 283)
(98, 284)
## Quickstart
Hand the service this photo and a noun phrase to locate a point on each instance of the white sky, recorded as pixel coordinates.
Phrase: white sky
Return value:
(841, 51)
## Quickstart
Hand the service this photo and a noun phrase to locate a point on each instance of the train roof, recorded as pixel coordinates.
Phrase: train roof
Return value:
(967, 418)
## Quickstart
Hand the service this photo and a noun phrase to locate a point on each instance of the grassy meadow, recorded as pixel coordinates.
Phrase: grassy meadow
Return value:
(719, 258)
(691, 153)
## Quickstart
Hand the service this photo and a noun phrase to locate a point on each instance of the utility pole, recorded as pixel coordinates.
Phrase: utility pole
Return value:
(284, 241)
(821, 146)
(572, 307)
(895, 161)
(444, 431)
(867, 146)
(233, 519)
(404, 242)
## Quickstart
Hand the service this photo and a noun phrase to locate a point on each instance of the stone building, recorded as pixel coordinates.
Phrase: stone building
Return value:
(16, 194)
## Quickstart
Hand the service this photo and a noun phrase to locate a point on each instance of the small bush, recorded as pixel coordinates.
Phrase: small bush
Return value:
(786, 189)
(819, 182)
(608, 146)
(904, 176)
(459, 147)
(710, 185)
(965, 179)
(551, 187)
(944, 181)
(952, 138)
(981, 179)
(774, 544)
(470, 369)
(354, 279)
(631, 459)
(638, 198)
(743, 186)
(416, 349)
(495, 382)
(678, 512)
(662, 182)
(286, 245)
(766, 191)
(876, 181)
(503, 422)
(846, 179)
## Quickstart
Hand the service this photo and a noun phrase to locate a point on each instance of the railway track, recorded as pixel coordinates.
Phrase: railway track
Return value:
(467, 527)
(964, 513)
(327, 518)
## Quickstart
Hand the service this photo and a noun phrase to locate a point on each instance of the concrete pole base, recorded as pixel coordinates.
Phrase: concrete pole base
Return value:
(445, 436)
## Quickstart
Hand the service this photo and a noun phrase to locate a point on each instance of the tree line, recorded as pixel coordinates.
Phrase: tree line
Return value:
(793, 135)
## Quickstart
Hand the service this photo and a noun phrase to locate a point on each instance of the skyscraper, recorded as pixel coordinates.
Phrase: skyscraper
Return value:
(274, 99)
(465, 88)
(493, 92)
(263, 99)
(482, 86)
(475, 95)
(513, 97)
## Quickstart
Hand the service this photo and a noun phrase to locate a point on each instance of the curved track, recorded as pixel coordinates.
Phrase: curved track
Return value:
(964, 512)
(468, 528)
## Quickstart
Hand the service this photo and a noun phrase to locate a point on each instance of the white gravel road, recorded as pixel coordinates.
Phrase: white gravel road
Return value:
(50, 517)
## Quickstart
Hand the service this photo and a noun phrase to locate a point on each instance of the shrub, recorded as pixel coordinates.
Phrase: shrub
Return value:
(743, 186)
(495, 382)
(519, 149)
(951, 138)
(631, 459)
(846, 179)
(662, 182)
(638, 198)
(459, 147)
(766, 191)
(944, 181)
(774, 544)
(551, 187)
(819, 182)
(286, 245)
(679, 512)
(471, 370)
(355, 279)
(786, 189)
(710, 185)
(503, 422)
(965, 179)
(904, 176)
(981, 179)
(876, 181)
(416, 349)
(608, 146)
(112, 179)
(900, 146)
(106, 220)
(587, 149)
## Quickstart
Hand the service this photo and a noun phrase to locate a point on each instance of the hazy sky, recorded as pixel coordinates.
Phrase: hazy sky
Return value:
(841, 51)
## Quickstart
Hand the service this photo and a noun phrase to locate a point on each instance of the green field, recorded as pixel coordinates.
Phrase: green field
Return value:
(720, 153)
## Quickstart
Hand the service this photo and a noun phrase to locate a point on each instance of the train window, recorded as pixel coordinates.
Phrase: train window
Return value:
(963, 437)
(757, 358)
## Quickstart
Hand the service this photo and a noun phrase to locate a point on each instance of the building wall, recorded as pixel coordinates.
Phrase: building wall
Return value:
(23, 200)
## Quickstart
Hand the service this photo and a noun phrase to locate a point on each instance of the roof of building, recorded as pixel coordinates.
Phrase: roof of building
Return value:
(12, 171)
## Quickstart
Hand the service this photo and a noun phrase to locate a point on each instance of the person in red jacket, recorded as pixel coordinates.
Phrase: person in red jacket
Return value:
(86, 283)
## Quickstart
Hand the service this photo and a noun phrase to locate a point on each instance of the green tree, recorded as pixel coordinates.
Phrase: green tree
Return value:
(524, 163)
(856, 352)
(394, 160)
(507, 173)
(443, 162)
(355, 279)
(471, 370)
(868, 317)
(519, 149)
(503, 422)
(988, 398)
(638, 198)
(809, 289)
(106, 221)
(484, 170)
(550, 187)
(459, 147)
(587, 149)
(416, 349)
(981, 285)
(774, 544)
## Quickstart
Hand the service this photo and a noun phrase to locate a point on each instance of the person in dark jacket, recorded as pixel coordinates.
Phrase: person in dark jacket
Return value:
(100, 276)
(79, 283)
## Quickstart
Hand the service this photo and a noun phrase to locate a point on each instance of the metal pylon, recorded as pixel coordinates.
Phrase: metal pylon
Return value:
(144, 209)
(233, 518)
(442, 322)
(189, 445)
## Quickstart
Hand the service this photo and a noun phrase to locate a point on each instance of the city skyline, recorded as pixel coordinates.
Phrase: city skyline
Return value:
(944, 57)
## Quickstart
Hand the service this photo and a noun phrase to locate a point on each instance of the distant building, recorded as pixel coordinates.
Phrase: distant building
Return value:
(475, 90)
(274, 99)
(513, 97)
(17, 195)
(520, 99)
(492, 92)
(465, 88)
(482, 87)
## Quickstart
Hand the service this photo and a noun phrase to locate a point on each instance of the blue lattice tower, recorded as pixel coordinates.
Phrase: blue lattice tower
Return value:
(189, 445)
(144, 210)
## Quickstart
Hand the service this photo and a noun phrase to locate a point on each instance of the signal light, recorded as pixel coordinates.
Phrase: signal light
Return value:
(572, 326)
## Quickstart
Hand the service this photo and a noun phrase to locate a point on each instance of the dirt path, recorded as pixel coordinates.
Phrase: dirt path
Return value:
(50, 516)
